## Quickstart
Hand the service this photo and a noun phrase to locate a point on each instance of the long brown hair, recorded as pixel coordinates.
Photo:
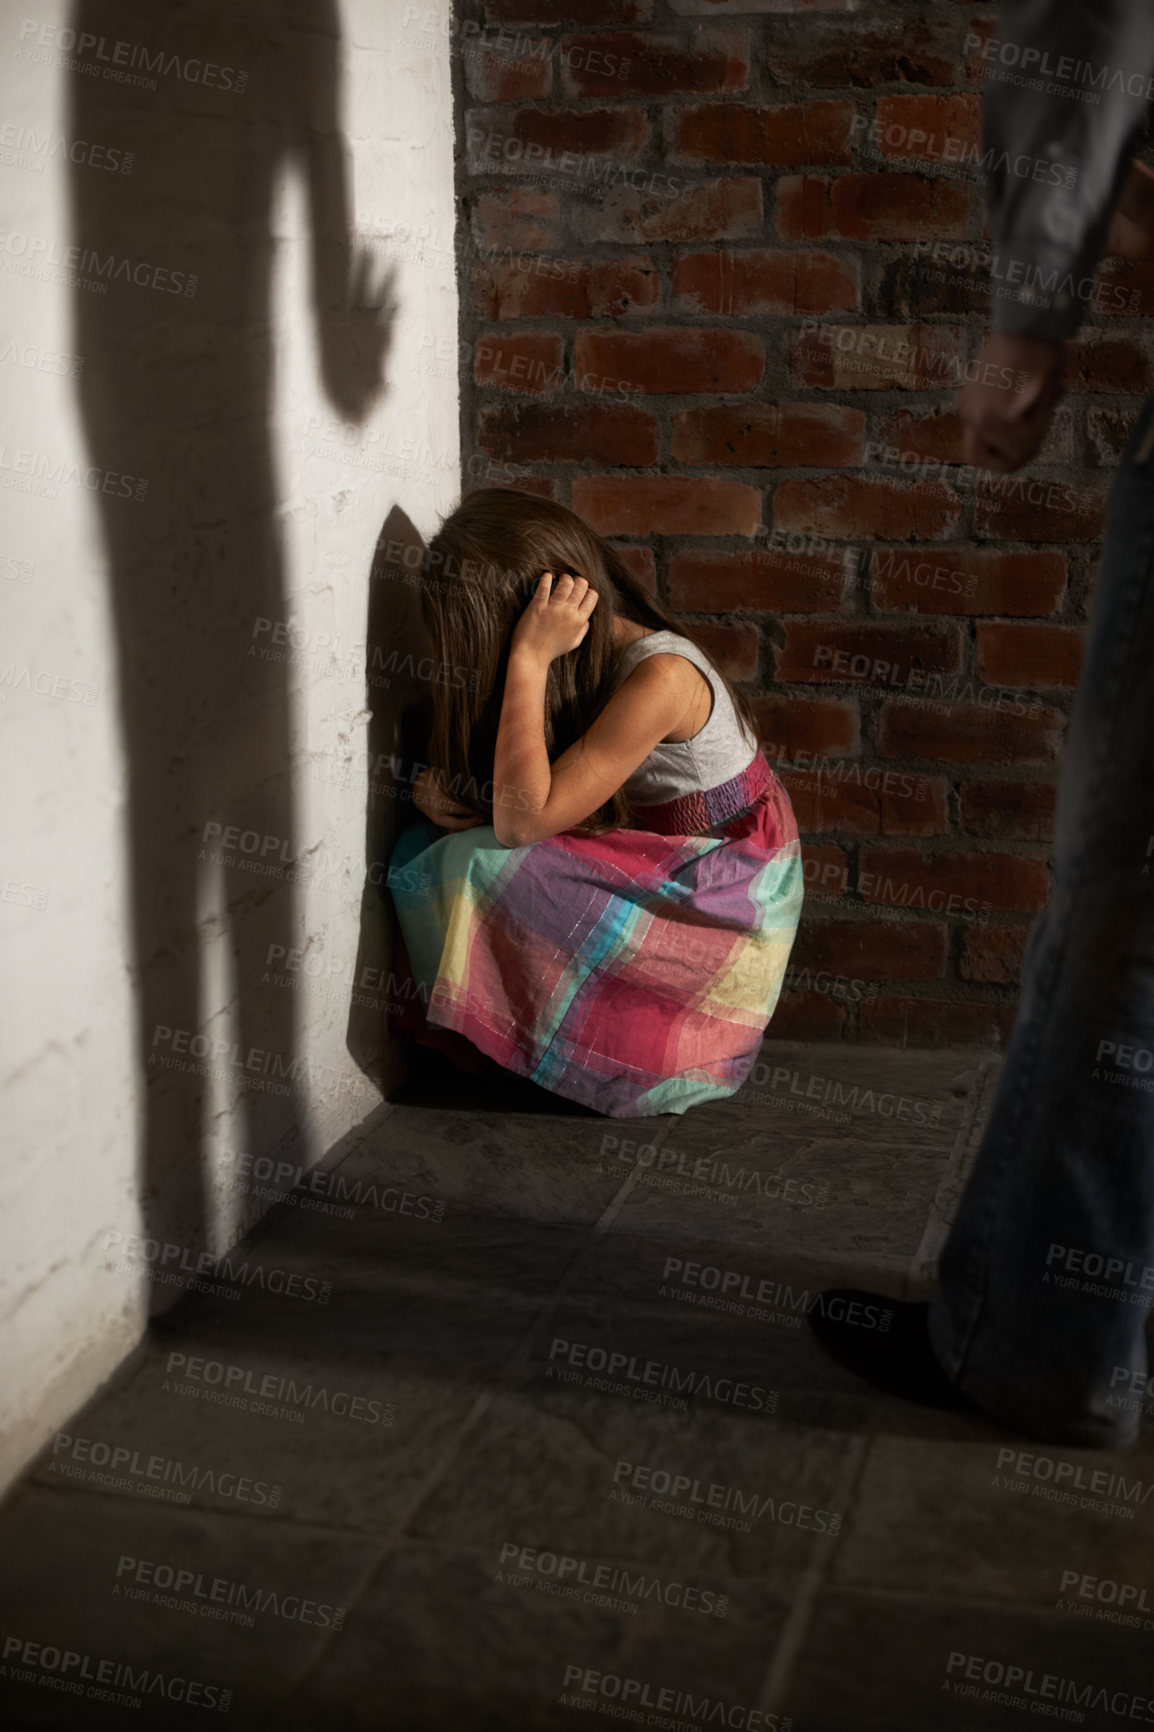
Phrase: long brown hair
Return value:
(480, 572)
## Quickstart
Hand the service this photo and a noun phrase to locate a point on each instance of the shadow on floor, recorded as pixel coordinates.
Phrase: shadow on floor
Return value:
(507, 1417)
(430, 1082)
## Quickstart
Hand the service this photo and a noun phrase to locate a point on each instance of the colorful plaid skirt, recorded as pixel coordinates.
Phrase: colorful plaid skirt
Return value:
(635, 971)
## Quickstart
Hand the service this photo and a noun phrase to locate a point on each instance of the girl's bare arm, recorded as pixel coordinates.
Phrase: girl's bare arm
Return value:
(532, 798)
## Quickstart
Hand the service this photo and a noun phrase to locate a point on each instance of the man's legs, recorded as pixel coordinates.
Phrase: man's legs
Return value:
(1049, 1268)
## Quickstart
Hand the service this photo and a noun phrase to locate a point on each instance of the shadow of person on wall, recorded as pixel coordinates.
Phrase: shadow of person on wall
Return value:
(200, 110)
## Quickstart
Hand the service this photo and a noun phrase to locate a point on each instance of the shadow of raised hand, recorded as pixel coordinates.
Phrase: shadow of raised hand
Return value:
(355, 338)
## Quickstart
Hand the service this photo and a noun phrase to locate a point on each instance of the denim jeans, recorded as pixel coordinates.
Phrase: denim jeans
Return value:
(1048, 1271)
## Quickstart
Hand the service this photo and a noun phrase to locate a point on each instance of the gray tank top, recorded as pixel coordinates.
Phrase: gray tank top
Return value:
(717, 752)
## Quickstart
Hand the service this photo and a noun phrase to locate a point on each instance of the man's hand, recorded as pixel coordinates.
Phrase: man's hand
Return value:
(430, 798)
(557, 618)
(1006, 410)
(1131, 231)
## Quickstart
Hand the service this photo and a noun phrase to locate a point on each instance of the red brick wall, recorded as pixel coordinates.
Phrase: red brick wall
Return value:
(722, 271)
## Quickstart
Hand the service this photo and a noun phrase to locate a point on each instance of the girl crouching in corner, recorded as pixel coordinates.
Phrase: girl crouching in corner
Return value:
(605, 898)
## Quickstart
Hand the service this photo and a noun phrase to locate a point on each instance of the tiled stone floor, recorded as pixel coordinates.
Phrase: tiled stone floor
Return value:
(495, 1523)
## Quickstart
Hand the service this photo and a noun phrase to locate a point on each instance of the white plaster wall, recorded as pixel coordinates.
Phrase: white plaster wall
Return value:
(70, 1068)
